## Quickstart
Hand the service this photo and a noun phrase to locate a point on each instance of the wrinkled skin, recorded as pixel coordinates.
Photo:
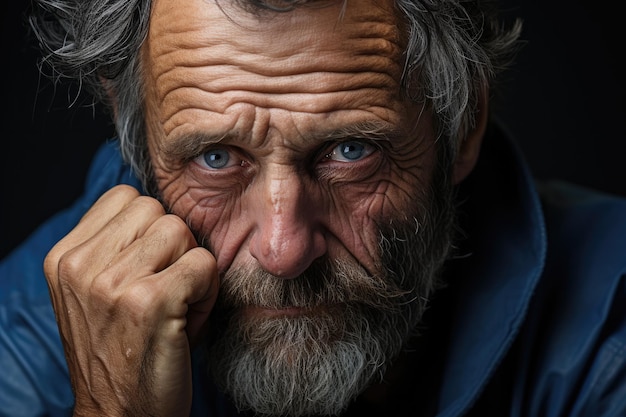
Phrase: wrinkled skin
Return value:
(277, 100)
(249, 121)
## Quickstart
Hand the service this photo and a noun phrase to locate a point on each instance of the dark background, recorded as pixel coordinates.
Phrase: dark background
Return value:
(565, 102)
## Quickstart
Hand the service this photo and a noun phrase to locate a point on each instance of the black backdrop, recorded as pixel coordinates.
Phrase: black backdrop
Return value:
(565, 101)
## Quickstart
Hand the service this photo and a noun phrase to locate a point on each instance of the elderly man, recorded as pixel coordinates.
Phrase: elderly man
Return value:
(299, 220)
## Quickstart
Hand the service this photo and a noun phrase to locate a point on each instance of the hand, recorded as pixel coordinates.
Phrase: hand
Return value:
(131, 290)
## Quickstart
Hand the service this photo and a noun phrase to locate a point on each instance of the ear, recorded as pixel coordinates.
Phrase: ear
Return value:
(469, 147)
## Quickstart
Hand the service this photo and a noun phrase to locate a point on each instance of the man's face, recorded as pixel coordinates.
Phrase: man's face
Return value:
(285, 142)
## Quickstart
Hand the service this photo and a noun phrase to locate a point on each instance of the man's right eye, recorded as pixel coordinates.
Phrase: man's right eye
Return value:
(216, 159)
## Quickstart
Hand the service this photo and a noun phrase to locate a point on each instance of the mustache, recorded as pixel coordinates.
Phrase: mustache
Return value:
(326, 282)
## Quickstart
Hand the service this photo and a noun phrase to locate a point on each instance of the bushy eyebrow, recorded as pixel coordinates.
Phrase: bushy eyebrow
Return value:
(189, 146)
(370, 130)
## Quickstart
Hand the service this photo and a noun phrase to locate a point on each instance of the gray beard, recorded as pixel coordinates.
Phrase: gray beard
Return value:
(354, 324)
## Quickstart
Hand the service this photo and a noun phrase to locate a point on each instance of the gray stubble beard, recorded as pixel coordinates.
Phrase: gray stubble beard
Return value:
(317, 363)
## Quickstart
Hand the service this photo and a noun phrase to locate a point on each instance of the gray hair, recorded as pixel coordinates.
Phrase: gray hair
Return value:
(455, 49)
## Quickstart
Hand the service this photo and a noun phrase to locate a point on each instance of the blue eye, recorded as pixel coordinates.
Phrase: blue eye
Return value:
(350, 151)
(216, 159)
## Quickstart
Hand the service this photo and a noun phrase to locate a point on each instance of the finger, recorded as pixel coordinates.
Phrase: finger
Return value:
(193, 282)
(127, 219)
(108, 205)
(88, 249)
(162, 244)
(105, 208)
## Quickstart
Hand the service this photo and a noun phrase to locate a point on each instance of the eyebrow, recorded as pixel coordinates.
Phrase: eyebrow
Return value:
(371, 130)
(191, 145)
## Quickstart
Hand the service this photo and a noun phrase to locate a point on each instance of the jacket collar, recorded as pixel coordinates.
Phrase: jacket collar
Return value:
(492, 281)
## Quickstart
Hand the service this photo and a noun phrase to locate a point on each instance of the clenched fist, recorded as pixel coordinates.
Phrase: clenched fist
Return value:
(131, 290)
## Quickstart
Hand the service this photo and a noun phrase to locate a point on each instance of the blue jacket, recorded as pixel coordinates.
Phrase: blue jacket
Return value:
(532, 322)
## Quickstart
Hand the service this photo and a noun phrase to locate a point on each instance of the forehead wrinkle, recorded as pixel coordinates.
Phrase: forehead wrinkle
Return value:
(363, 57)
(213, 106)
(216, 76)
(366, 72)
(291, 44)
(317, 93)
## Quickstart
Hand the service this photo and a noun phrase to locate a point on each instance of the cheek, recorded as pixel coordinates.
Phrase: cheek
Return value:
(208, 207)
(389, 192)
(360, 209)
(353, 226)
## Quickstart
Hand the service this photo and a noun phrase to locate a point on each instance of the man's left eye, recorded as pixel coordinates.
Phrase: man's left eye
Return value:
(350, 151)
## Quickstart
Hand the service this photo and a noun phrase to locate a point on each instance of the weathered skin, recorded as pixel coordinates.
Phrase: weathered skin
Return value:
(274, 96)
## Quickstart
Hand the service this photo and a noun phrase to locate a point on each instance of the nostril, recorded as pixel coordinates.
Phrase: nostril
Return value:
(291, 254)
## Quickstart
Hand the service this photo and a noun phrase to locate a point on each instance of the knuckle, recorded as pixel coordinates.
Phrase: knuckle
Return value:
(201, 262)
(173, 227)
(120, 194)
(140, 297)
(149, 205)
(103, 285)
(131, 300)
(69, 266)
(52, 260)
(204, 257)
(124, 191)
(174, 224)
(51, 263)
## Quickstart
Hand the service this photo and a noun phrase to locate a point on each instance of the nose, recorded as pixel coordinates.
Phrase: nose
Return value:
(288, 235)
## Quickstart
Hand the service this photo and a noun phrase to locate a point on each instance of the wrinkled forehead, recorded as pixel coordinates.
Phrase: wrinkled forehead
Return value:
(318, 25)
